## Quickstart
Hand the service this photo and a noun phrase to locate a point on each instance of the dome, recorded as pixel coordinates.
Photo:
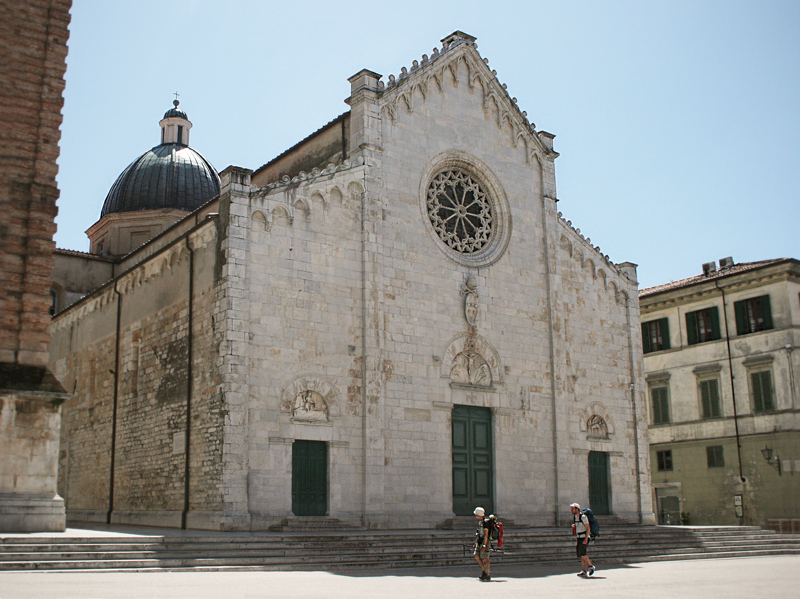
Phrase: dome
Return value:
(171, 175)
(175, 112)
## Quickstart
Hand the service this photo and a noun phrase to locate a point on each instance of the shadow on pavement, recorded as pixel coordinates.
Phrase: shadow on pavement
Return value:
(499, 572)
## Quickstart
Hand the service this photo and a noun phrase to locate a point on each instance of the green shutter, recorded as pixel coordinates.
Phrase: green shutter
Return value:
(691, 328)
(766, 312)
(645, 338)
(741, 318)
(715, 323)
(761, 387)
(709, 394)
(660, 405)
(665, 332)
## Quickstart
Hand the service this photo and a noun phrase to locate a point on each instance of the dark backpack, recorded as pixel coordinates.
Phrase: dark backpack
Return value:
(495, 529)
(594, 525)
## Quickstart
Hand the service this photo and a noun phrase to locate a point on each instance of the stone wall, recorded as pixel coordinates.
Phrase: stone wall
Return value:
(143, 426)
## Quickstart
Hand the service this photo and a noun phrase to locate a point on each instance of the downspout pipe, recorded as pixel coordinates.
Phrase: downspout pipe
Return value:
(114, 407)
(635, 411)
(733, 387)
(187, 438)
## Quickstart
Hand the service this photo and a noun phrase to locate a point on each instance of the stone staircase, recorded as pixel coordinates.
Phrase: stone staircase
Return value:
(359, 549)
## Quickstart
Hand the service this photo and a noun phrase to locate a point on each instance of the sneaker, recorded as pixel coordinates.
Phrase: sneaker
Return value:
(582, 573)
(487, 579)
(482, 576)
(591, 570)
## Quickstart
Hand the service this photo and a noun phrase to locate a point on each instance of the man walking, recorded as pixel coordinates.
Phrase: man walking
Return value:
(580, 528)
(482, 545)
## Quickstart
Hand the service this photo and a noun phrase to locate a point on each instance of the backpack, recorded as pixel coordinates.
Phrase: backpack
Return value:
(594, 525)
(495, 530)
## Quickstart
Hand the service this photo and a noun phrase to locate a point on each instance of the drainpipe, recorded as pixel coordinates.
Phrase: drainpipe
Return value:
(364, 419)
(632, 387)
(733, 388)
(114, 408)
(186, 447)
(551, 340)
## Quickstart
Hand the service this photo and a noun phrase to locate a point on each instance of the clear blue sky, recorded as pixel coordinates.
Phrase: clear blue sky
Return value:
(678, 122)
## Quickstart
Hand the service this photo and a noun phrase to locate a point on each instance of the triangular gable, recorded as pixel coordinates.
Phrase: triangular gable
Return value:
(432, 74)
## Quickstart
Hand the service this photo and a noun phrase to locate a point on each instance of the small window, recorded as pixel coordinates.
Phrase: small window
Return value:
(655, 335)
(761, 391)
(180, 134)
(53, 302)
(702, 325)
(715, 457)
(659, 397)
(664, 460)
(753, 315)
(709, 398)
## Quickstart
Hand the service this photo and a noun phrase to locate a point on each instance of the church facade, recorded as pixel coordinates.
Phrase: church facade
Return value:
(387, 325)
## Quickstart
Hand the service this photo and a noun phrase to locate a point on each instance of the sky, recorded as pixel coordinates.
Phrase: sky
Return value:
(677, 123)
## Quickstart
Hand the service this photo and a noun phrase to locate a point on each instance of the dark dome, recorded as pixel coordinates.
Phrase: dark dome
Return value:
(168, 176)
(175, 112)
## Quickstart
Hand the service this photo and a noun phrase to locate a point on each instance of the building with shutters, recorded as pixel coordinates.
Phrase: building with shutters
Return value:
(723, 395)
(387, 325)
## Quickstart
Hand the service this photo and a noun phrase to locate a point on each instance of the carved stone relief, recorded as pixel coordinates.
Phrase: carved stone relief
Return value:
(597, 427)
(309, 405)
(469, 291)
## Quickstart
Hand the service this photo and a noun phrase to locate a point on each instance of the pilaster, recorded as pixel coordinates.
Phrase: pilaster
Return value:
(233, 317)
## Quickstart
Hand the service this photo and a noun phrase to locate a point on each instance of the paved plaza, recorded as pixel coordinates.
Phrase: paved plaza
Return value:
(701, 579)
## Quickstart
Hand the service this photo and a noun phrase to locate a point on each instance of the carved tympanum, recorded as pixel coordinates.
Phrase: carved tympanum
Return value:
(470, 368)
(597, 427)
(309, 405)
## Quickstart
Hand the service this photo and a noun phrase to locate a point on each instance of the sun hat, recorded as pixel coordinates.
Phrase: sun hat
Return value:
(479, 511)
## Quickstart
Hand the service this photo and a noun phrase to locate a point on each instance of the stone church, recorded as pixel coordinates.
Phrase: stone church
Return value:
(385, 326)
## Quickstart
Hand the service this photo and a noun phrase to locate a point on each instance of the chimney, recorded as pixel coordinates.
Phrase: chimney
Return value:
(725, 263)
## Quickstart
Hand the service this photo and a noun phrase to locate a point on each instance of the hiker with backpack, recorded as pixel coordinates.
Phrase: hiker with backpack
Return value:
(483, 544)
(585, 530)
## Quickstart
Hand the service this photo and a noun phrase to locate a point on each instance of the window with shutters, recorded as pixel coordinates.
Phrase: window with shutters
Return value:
(702, 325)
(660, 403)
(753, 315)
(715, 457)
(664, 460)
(761, 391)
(655, 335)
(709, 398)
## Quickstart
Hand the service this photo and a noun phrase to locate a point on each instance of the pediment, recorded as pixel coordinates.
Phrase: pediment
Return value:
(455, 67)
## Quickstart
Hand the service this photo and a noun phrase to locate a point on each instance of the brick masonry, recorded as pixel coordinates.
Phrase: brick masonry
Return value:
(33, 54)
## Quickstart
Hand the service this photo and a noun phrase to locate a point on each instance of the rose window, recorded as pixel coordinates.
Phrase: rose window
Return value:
(460, 211)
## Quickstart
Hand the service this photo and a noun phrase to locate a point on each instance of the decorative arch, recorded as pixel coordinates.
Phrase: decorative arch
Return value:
(336, 195)
(258, 221)
(473, 360)
(282, 212)
(311, 398)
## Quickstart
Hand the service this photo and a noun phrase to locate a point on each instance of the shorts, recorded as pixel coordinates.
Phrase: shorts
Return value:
(581, 547)
(481, 552)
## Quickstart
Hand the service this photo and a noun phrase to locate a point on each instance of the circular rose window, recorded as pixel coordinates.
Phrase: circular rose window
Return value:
(466, 209)
(460, 211)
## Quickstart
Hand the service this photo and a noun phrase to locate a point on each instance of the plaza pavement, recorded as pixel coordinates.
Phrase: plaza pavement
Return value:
(757, 577)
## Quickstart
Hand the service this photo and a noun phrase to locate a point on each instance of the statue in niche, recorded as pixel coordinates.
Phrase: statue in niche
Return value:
(469, 367)
(469, 291)
(597, 427)
(309, 405)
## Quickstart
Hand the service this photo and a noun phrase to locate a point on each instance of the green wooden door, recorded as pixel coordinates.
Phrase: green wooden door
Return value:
(599, 483)
(473, 478)
(309, 478)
